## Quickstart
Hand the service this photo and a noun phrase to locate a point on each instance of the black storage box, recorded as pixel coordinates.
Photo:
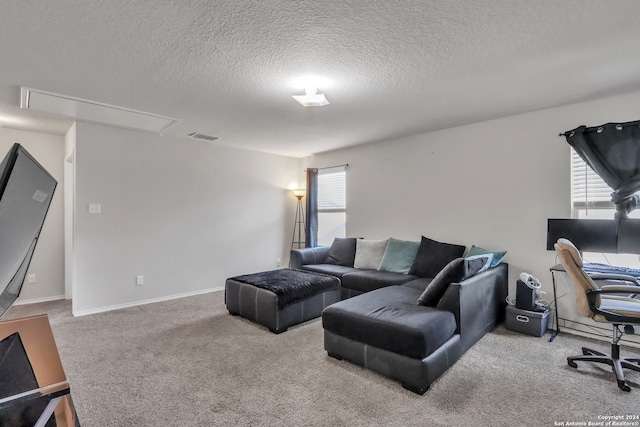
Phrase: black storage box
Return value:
(525, 321)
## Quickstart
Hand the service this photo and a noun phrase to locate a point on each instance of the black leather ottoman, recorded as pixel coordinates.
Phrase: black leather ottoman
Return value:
(281, 298)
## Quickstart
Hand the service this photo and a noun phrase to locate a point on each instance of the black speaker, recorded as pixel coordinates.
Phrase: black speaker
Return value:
(525, 296)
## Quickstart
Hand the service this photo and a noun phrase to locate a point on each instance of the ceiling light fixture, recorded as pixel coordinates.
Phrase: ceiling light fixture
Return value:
(311, 98)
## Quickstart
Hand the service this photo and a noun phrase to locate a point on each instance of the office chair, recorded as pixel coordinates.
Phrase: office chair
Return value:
(612, 304)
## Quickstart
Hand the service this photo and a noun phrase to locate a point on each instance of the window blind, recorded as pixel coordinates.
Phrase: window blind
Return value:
(332, 191)
(588, 190)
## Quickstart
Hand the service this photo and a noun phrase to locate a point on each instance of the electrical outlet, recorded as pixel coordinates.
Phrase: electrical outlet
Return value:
(95, 208)
(31, 278)
(278, 262)
(139, 280)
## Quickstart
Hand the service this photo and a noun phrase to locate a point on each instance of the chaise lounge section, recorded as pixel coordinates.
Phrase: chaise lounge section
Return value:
(388, 332)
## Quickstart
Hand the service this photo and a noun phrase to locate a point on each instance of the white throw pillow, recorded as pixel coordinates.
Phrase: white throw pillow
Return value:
(369, 253)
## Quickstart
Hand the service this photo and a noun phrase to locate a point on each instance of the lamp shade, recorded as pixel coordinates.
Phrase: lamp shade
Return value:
(299, 193)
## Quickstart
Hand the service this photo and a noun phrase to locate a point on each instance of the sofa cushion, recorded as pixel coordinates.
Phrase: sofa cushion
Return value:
(498, 256)
(456, 271)
(433, 256)
(399, 256)
(369, 253)
(342, 252)
(390, 319)
(332, 269)
(419, 284)
(368, 280)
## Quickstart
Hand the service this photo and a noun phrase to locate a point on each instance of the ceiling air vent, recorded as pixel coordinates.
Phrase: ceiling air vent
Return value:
(203, 136)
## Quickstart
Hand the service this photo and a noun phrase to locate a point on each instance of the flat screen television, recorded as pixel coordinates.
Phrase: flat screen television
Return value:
(26, 190)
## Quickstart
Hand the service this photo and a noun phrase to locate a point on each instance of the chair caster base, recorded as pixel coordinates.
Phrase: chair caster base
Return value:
(623, 386)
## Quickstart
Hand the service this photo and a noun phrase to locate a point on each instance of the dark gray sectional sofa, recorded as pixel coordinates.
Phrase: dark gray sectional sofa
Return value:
(380, 325)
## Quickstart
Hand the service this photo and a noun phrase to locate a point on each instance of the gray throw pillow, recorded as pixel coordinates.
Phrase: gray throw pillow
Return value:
(454, 272)
(342, 252)
(369, 253)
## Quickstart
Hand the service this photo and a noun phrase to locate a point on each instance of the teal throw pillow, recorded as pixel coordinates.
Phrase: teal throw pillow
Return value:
(399, 256)
(497, 256)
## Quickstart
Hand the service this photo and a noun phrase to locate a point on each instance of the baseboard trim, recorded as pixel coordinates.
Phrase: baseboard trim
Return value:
(144, 302)
(37, 300)
(603, 333)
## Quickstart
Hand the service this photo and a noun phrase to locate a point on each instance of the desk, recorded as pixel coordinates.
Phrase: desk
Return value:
(37, 391)
(558, 268)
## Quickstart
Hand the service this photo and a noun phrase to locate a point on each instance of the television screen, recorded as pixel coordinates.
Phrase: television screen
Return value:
(26, 189)
(589, 235)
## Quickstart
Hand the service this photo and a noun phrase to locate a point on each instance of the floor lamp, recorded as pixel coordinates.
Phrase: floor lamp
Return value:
(298, 226)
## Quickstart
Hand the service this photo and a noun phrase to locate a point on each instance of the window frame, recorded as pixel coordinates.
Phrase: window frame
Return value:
(332, 200)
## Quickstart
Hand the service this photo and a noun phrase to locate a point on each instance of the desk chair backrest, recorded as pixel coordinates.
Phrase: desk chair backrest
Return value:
(572, 261)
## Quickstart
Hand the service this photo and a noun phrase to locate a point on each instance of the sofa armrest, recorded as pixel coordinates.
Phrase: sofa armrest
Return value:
(300, 257)
(478, 303)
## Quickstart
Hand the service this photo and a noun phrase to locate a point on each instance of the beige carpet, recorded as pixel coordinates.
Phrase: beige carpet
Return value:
(189, 363)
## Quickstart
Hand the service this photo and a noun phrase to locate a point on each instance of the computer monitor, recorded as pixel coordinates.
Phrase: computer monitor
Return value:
(589, 235)
(629, 236)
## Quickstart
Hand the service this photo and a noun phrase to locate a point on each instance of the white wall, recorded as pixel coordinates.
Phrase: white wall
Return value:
(185, 214)
(48, 259)
(493, 184)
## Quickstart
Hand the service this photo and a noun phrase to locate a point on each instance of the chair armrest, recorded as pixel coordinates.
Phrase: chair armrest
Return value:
(300, 257)
(608, 276)
(593, 297)
(615, 282)
(611, 289)
(618, 289)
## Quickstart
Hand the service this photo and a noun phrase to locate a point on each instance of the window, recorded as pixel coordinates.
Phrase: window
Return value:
(588, 190)
(590, 195)
(591, 198)
(332, 205)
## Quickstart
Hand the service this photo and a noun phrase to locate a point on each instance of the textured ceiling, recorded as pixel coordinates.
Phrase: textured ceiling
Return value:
(389, 68)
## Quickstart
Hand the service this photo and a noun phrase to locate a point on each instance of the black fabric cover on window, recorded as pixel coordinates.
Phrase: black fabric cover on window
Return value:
(612, 150)
(311, 227)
